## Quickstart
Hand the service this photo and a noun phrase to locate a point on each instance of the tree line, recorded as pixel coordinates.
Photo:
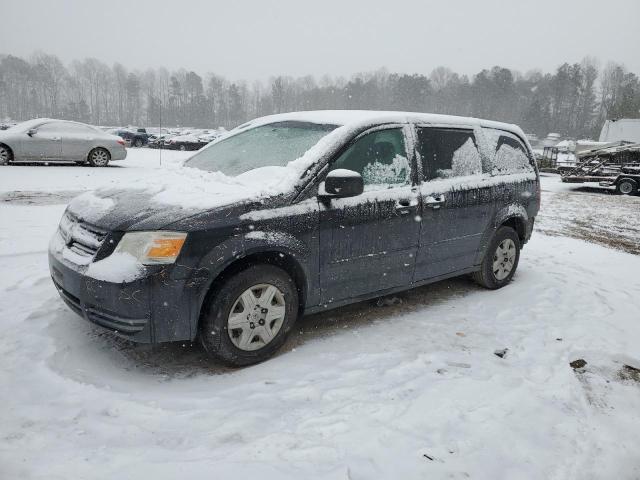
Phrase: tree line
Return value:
(573, 101)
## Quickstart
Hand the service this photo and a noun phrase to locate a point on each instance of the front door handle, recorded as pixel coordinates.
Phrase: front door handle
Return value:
(434, 202)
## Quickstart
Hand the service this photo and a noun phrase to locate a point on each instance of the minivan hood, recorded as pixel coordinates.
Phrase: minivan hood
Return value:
(128, 209)
(167, 196)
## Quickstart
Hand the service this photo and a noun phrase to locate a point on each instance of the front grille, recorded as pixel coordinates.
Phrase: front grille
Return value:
(80, 237)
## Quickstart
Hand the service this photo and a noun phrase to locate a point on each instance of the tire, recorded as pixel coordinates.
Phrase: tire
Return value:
(6, 155)
(505, 245)
(138, 142)
(627, 186)
(99, 157)
(183, 148)
(257, 337)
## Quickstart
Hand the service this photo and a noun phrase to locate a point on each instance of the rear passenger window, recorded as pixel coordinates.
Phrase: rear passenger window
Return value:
(509, 155)
(448, 153)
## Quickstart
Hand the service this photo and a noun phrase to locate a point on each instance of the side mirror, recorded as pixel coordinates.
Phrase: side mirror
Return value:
(32, 132)
(342, 183)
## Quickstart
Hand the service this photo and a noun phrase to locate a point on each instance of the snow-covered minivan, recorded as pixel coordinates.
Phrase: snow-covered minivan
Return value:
(292, 214)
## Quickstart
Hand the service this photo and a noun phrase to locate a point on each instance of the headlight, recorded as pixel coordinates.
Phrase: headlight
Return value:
(152, 248)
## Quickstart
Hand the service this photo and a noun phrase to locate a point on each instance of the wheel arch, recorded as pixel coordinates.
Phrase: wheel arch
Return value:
(290, 257)
(634, 181)
(98, 147)
(519, 224)
(514, 216)
(5, 144)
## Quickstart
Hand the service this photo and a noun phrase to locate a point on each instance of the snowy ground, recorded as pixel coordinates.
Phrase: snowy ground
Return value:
(405, 391)
(589, 212)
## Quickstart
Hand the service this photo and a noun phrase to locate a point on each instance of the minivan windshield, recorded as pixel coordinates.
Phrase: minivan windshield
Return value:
(271, 145)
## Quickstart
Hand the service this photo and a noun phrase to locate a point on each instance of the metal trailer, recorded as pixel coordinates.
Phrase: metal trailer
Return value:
(616, 166)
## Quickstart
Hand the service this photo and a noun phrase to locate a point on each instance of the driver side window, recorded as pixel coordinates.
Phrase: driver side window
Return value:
(380, 157)
(51, 127)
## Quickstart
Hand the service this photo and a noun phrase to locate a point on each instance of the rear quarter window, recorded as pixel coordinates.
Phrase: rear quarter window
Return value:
(507, 153)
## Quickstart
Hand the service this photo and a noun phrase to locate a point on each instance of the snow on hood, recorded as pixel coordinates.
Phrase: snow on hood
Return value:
(175, 192)
(186, 138)
(90, 204)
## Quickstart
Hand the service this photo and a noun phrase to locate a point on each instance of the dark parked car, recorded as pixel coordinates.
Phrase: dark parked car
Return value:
(184, 142)
(134, 138)
(158, 140)
(379, 203)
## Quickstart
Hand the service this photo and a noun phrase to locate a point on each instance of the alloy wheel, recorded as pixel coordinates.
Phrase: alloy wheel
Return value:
(256, 317)
(100, 158)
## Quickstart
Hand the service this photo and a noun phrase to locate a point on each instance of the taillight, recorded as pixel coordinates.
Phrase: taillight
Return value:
(121, 142)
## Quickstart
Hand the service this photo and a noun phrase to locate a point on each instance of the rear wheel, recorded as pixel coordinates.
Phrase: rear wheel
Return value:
(6, 155)
(99, 157)
(182, 148)
(249, 317)
(501, 259)
(627, 186)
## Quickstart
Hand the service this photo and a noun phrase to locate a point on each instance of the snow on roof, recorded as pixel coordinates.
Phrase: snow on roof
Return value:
(29, 124)
(355, 118)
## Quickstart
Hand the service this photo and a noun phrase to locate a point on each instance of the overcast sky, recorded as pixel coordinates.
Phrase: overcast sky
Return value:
(254, 39)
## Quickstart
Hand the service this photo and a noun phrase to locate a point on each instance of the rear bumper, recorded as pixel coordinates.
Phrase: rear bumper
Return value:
(151, 309)
(119, 154)
(529, 229)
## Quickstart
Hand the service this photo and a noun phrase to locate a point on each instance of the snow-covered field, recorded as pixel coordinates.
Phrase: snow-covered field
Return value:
(411, 390)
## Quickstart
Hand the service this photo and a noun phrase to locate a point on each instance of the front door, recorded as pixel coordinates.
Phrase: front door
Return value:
(45, 143)
(457, 201)
(368, 243)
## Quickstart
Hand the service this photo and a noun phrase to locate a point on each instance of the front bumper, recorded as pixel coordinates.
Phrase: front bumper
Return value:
(151, 309)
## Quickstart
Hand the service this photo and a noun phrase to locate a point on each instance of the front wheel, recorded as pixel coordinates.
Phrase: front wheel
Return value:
(99, 157)
(501, 259)
(138, 142)
(5, 155)
(249, 317)
(627, 186)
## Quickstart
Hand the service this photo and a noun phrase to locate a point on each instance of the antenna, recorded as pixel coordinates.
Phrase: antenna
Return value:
(160, 131)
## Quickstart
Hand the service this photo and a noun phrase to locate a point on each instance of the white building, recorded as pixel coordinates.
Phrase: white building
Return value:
(627, 129)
